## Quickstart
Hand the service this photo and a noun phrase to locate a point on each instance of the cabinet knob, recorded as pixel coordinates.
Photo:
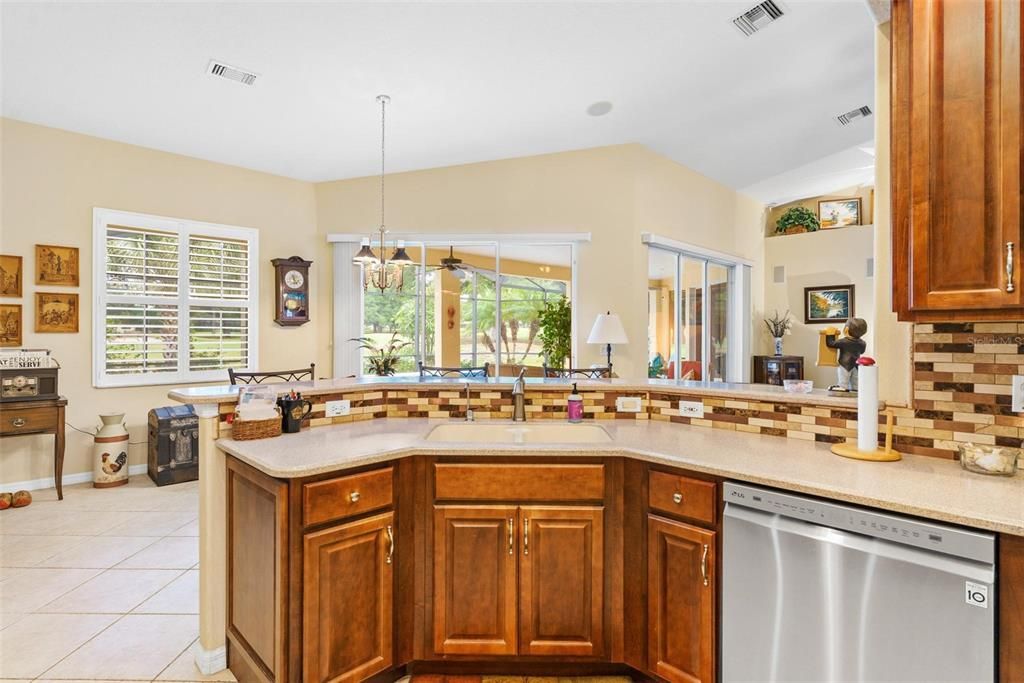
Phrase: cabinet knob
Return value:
(677, 498)
(18, 422)
(353, 497)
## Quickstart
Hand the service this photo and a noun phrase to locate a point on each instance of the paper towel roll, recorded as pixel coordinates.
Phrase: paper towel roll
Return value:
(867, 408)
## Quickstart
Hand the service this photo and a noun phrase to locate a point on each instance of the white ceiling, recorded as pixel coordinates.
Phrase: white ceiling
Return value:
(469, 81)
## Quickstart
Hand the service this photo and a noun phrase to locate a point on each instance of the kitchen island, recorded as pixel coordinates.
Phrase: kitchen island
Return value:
(610, 519)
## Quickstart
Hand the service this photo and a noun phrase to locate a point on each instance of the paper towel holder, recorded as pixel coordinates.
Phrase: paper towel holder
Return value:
(887, 454)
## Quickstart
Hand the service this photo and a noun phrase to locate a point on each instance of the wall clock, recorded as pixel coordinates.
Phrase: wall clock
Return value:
(291, 276)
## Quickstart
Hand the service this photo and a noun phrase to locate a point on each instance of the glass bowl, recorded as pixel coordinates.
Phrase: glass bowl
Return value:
(798, 386)
(997, 460)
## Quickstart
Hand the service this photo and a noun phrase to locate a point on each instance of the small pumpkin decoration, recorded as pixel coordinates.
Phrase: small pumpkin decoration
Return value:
(6, 500)
(21, 499)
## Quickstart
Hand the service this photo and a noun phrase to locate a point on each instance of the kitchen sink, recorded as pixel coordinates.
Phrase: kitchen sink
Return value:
(506, 432)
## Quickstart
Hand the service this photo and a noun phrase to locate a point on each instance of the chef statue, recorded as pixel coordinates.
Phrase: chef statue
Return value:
(845, 349)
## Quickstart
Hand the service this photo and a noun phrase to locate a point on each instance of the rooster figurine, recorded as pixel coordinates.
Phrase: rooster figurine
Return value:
(115, 466)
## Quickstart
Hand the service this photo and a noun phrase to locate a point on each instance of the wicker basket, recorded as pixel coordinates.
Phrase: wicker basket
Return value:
(247, 430)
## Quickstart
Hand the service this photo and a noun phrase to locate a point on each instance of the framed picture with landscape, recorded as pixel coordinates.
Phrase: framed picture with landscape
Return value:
(10, 275)
(10, 324)
(839, 213)
(56, 265)
(832, 304)
(56, 312)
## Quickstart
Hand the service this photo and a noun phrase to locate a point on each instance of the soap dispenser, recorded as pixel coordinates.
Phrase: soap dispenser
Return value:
(575, 405)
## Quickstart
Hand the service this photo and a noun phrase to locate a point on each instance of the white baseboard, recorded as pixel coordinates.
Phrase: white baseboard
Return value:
(210, 662)
(67, 480)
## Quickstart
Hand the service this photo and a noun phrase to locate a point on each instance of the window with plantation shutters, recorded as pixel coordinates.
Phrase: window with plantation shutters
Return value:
(175, 299)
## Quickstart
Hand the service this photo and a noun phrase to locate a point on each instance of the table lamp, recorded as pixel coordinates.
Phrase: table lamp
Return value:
(608, 330)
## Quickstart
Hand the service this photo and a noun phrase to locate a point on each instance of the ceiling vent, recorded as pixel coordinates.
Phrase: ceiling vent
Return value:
(757, 17)
(232, 73)
(851, 116)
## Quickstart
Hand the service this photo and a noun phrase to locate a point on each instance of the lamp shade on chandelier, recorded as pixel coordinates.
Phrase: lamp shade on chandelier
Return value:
(380, 272)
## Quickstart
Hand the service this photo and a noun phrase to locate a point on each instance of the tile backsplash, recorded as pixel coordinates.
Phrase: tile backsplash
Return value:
(962, 376)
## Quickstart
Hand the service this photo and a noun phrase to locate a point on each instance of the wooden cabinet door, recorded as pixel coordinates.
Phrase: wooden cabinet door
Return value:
(956, 157)
(561, 581)
(681, 628)
(346, 610)
(475, 580)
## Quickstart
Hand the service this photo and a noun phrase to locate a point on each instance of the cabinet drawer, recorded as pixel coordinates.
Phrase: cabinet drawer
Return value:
(323, 501)
(682, 496)
(498, 482)
(28, 421)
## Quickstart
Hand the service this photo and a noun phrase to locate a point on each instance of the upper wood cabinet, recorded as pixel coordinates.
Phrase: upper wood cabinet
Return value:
(681, 588)
(347, 601)
(561, 581)
(957, 160)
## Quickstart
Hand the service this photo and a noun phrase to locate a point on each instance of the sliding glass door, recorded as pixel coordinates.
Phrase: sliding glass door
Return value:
(694, 309)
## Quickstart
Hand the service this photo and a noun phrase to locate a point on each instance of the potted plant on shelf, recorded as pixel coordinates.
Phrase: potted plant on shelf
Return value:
(779, 326)
(556, 331)
(384, 358)
(797, 219)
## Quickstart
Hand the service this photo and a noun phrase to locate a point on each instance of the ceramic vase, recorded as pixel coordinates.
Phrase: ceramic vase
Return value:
(110, 452)
(778, 346)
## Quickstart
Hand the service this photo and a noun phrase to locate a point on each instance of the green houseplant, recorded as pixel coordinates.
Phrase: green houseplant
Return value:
(382, 359)
(555, 320)
(797, 219)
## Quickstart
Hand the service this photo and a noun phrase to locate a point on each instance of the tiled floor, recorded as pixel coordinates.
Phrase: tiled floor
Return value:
(103, 585)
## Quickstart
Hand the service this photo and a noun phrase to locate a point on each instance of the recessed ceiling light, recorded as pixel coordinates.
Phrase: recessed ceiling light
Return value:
(599, 108)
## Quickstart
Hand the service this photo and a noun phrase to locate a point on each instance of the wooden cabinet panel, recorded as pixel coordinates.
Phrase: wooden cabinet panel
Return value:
(681, 588)
(521, 482)
(475, 580)
(257, 571)
(347, 617)
(682, 496)
(341, 497)
(956, 158)
(561, 581)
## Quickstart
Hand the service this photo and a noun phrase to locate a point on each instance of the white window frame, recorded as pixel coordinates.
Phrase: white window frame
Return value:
(348, 309)
(739, 316)
(183, 228)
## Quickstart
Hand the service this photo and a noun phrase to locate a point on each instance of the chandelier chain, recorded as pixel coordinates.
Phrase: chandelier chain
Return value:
(383, 104)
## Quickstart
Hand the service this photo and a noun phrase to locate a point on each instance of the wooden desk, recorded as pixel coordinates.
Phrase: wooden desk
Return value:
(38, 417)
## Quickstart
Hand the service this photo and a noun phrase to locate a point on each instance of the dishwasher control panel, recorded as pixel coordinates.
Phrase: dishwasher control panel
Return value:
(943, 538)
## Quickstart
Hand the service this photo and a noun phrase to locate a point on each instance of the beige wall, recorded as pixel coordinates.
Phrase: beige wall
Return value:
(615, 193)
(814, 259)
(52, 179)
(893, 340)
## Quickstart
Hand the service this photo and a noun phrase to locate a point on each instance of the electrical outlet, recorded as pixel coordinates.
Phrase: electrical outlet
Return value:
(691, 408)
(1018, 394)
(627, 404)
(338, 408)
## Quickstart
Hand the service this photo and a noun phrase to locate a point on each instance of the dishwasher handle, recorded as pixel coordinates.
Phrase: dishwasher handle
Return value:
(970, 569)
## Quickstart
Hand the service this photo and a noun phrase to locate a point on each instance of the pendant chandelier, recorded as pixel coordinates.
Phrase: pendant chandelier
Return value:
(380, 272)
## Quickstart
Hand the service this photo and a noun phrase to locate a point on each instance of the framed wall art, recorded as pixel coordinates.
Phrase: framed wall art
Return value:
(10, 275)
(839, 213)
(56, 312)
(832, 304)
(56, 265)
(10, 325)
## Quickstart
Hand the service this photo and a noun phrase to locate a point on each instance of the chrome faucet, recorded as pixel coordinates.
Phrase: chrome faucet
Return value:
(519, 398)
(470, 417)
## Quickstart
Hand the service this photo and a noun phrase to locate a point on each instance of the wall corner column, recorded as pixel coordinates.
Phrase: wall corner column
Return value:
(210, 651)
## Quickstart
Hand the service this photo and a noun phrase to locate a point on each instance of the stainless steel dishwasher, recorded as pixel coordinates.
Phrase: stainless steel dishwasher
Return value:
(820, 591)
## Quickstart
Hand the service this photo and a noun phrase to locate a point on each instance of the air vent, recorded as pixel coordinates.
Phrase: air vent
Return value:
(851, 116)
(757, 17)
(232, 73)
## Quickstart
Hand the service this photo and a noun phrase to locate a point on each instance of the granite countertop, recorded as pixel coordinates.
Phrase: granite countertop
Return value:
(756, 392)
(917, 485)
